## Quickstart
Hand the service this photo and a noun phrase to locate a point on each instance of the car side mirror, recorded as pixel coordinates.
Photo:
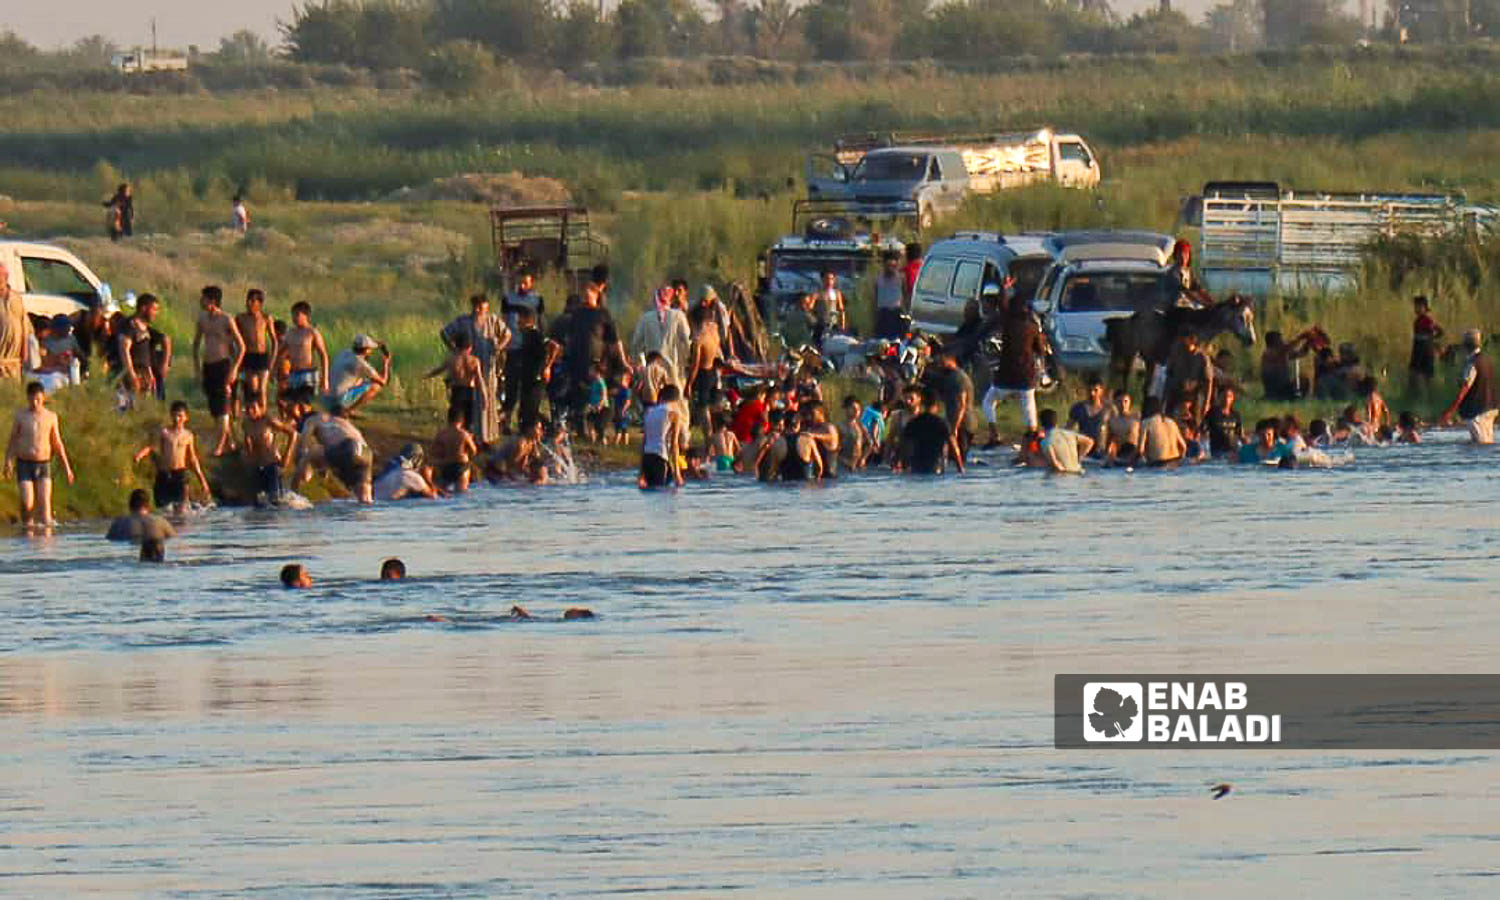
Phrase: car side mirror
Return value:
(1040, 306)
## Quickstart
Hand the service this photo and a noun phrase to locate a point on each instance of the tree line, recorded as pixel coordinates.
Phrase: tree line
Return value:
(462, 43)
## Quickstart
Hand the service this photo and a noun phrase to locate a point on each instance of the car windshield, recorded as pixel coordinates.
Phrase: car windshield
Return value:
(804, 272)
(1109, 291)
(1028, 274)
(891, 167)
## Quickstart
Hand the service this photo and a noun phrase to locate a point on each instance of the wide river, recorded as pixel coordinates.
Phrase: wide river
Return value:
(832, 692)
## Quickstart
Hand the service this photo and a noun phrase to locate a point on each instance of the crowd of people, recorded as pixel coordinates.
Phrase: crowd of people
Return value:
(523, 381)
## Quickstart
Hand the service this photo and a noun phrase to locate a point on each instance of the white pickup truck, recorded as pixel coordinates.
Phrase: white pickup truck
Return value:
(902, 176)
(51, 280)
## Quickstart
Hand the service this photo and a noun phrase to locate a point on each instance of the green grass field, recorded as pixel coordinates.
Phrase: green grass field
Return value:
(695, 181)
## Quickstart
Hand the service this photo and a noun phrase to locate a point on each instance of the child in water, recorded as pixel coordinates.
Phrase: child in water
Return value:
(723, 446)
(1407, 429)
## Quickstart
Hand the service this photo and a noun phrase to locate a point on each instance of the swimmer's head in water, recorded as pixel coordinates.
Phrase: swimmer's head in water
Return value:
(578, 612)
(140, 501)
(1048, 419)
(294, 576)
(392, 570)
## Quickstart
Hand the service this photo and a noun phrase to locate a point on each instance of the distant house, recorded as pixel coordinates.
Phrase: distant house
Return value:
(148, 61)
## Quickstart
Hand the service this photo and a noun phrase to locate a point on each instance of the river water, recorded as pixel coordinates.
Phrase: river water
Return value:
(837, 691)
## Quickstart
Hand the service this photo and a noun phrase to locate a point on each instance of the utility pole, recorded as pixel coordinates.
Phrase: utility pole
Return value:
(154, 51)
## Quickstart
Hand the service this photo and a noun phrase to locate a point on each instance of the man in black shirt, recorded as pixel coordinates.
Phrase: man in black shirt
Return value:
(1225, 431)
(1016, 372)
(526, 369)
(927, 441)
(588, 338)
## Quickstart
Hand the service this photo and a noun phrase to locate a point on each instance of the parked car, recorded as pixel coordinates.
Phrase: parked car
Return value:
(919, 178)
(955, 270)
(52, 280)
(1101, 275)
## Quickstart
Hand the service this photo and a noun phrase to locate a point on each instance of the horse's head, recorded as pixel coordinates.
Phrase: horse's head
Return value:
(1239, 319)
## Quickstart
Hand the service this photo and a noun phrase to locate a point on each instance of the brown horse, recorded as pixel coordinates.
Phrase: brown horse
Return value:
(1148, 333)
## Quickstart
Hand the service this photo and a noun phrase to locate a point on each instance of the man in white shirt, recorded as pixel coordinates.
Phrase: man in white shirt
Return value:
(1062, 448)
(353, 382)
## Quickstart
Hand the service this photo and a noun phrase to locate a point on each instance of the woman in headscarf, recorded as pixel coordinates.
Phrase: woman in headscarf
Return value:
(488, 337)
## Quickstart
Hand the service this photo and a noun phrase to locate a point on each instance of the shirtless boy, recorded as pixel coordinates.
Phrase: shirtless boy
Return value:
(260, 450)
(34, 437)
(218, 351)
(464, 375)
(304, 351)
(453, 448)
(176, 452)
(259, 334)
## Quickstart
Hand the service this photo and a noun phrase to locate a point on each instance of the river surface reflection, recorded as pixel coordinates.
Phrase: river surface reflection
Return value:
(842, 691)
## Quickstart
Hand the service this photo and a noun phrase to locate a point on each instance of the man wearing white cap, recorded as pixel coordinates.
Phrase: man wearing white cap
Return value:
(1477, 402)
(353, 382)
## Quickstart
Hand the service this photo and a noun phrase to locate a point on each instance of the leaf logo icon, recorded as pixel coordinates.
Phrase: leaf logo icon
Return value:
(1113, 713)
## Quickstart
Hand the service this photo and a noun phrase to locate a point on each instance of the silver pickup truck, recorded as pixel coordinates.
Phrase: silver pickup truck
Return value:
(920, 178)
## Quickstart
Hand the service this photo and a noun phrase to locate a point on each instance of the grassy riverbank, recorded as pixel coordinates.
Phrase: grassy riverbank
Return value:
(694, 181)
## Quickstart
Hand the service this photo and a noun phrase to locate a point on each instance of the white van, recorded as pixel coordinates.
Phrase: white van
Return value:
(52, 280)
(1101, 275)
(955, 270)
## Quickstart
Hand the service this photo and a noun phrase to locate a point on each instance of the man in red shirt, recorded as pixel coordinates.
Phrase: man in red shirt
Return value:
(913, 266)
(751, 413)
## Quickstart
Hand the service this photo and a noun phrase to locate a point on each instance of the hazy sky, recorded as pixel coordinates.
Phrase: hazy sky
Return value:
(182, 22)
(128, 22)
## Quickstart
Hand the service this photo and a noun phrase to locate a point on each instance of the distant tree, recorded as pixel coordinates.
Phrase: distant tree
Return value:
(459, 67)
(991, 30)
(773, 27)
(1235, 26)
(511, 29)
(96, 49)
(838, 30)
(244, 48)
(658, 28)
(582, 37)
(1292, 23)
(1160, 31)
(732, 34)
(14, 49)
(379, 34)
(326, 32)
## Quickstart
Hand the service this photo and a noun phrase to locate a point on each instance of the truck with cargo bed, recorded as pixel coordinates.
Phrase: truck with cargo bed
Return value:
(918, 178)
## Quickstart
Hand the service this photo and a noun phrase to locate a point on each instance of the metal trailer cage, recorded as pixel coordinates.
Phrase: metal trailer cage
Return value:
(545, 238)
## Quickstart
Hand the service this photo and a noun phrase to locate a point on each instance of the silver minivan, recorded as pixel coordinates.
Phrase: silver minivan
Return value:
(955, 270)
(1101, 275)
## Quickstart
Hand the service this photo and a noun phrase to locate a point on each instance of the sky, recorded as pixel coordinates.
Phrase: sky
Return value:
(57, 23)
